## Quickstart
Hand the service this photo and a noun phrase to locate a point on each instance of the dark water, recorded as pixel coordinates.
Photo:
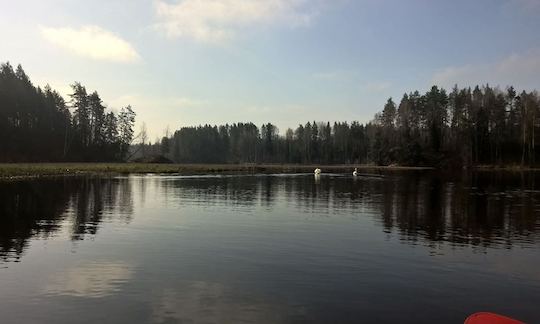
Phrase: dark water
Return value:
(404, 248)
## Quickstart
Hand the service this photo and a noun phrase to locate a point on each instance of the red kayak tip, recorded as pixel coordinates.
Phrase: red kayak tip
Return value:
(490, 318)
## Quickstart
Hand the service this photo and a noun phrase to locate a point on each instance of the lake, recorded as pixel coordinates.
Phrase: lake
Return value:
(408, 247)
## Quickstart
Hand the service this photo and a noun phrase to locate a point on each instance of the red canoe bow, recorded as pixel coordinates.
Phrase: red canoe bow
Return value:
(490, 318)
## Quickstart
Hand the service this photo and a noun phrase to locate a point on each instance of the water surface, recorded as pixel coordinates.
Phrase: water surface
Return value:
(407, 247)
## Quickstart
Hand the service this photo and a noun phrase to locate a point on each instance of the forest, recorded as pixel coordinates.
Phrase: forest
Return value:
(464, 127)
(38, 125)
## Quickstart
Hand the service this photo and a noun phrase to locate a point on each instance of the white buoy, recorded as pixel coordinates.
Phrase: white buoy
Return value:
(317, 171)
(355, 172)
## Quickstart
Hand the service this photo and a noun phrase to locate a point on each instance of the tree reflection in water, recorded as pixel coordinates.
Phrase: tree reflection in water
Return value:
(486, 209)
(479, 209)
(40, 208)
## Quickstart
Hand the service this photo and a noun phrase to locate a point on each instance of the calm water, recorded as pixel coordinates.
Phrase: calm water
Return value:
(403, 248)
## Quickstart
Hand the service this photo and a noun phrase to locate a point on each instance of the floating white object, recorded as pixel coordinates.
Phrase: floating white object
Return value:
(355, 172)
(317, 171)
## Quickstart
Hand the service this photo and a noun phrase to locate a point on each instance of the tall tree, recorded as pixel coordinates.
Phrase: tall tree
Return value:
(81, 116)
(126, 122)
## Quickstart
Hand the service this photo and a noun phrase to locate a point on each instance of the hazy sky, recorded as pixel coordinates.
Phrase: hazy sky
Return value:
(188, 62)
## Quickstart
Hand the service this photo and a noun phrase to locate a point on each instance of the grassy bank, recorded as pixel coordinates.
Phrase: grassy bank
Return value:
(28, 170)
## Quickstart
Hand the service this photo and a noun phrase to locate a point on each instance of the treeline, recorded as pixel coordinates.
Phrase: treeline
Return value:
(465, 127)
(37, 124)
(246, 143)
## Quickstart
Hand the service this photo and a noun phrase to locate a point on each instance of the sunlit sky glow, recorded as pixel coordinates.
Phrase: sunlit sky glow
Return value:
(189, 62)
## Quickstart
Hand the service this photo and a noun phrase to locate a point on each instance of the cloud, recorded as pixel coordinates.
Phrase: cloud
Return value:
(92, 42)
(216, 21)
(92, 280)
(519, 70)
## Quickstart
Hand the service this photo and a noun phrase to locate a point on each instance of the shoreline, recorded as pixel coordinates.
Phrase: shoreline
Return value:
(15, 171)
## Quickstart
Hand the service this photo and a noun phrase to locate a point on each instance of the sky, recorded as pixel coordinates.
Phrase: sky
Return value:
(190, 62)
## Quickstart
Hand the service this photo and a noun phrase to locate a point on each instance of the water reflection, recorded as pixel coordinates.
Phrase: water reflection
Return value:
(483, 209)
(474, 211)
(277, 249)
(41, 208)
(210, 302)
(90, 280)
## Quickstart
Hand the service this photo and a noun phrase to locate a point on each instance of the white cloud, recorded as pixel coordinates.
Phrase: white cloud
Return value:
(215, 21)
(92, 42)
(519, 70)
